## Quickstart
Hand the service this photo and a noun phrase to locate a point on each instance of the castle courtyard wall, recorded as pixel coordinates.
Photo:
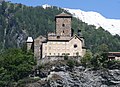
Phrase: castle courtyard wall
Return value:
(72, 47)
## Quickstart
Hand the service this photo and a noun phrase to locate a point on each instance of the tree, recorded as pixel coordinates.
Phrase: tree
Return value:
(95, 61)
(15, 65)
(103, 48)
(23, 21)
(71, 63)
(86, 60)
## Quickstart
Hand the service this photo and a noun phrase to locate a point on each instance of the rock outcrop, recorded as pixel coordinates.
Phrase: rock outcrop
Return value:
(64, 76)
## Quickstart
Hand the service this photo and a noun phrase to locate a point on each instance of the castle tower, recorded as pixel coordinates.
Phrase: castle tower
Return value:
(63, 24)
(29, 43)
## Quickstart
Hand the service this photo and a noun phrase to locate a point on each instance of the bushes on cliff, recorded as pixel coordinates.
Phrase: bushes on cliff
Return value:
(86, 60)
(15, 65)
(70, 63)
(99, 61)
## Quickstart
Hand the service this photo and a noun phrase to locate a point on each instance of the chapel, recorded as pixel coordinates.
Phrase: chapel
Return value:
(59, 43)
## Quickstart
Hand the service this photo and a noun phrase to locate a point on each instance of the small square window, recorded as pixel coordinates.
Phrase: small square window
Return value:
(58, 54)
(58, 37)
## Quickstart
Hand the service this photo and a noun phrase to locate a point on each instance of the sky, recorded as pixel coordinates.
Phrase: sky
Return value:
(108, 8)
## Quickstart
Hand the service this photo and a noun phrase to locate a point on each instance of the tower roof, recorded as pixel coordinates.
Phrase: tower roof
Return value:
(29, 39)
(63, 15)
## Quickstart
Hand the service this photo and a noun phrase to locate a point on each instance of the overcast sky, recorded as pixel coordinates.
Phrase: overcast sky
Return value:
(108, 8)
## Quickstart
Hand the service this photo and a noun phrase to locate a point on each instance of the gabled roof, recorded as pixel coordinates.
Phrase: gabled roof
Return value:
(77, 37)
(40, 37)
(63, 15)
(80, 38)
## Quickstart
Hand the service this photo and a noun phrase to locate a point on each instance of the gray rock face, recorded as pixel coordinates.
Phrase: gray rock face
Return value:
(1, 1)
(79, 77)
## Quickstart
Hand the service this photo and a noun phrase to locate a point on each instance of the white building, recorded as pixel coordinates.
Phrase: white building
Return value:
(61, 42)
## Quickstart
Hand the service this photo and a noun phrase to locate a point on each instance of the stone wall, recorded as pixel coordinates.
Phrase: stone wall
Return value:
(58, 48)
(55, 58)
(38, 46)
(63, 26)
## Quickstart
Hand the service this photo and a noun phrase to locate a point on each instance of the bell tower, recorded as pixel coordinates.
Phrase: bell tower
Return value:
(30, 44)
(63, 24)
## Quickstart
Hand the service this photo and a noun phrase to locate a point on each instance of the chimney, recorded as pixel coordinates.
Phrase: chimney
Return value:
(79, 32)
(72, 32)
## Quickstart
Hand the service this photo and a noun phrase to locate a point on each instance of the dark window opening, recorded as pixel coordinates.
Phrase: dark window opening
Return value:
(75, 45)
(63, 31)
(63, 25)
(58, 37)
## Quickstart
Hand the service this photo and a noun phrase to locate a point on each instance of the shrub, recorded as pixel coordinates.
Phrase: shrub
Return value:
(70, 63)
(65, 57)
(86, 60)
(41, 66)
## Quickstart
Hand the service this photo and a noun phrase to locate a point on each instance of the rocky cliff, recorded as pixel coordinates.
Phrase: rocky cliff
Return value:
(78, 76)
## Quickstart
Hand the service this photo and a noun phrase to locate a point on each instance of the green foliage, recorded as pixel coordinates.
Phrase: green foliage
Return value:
(87, 58)
(102, 48)
(96, 37)
(41, 66)
(95, 61)
(18, 21)
(23, 82)
(15, 65)
(113, 64)
(71, 63)
(100, 61)
(65, 57)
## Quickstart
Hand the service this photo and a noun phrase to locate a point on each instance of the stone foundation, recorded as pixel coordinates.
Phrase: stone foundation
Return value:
(55, 58)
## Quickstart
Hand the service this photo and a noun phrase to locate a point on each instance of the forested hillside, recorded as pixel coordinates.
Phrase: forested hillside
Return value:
(18, 21)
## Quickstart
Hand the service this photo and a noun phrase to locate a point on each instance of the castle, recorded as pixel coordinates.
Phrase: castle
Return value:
(62, 42)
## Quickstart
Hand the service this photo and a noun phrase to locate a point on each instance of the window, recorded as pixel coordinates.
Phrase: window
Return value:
(58, 54)
(58, 37)
(41, 37)
(63, 25)
(63, 31)
(49, 53)
(45, 48)
(49, 48)
(77, 53)
(75, 45)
